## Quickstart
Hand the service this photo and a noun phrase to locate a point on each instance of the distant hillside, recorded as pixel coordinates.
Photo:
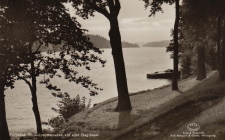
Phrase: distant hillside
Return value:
(140, 43)
(163, 43)
(102, 42)
(97, 40)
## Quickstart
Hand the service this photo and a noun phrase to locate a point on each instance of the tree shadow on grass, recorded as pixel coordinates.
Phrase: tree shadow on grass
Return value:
(126, 119)
(179, 91)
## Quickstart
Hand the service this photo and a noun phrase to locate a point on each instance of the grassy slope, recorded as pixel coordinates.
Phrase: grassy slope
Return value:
(102, 120)
(195, 105)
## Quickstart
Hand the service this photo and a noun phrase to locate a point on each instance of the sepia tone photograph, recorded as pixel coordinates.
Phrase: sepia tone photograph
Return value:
(112, 70)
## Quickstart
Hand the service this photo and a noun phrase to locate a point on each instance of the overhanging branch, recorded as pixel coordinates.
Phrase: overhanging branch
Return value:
(100, 10)
(25, 80)
(38, 47)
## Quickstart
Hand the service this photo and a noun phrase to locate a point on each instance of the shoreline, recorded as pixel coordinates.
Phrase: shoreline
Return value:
(148, 90)
(103, 121)
(19, 99)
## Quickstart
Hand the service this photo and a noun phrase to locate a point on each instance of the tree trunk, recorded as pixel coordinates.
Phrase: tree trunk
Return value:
(218, 42)
(36, 112)
(222, 62)
(4, 132)
(33, 89)
(201, 73)
(175, 59)
(121, 80)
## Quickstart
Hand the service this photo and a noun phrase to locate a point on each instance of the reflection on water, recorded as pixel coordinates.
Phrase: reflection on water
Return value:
(138, 61)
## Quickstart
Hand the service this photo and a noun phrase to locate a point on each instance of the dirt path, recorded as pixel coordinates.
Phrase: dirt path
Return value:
(195, 101)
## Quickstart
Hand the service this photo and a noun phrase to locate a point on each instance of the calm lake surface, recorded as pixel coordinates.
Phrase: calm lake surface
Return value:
(138, 61)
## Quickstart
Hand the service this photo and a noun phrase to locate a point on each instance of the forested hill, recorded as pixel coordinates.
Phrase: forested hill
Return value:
(163, 43)
(97, 40)
(102, 42)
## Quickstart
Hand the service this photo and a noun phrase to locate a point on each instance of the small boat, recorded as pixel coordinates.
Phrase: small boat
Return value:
(167, 74)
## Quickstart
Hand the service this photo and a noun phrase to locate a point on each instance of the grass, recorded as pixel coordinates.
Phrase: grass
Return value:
(156, 114)
(195, 105)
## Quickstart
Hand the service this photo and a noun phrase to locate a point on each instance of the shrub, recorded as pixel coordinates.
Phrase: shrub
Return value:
(67, 107)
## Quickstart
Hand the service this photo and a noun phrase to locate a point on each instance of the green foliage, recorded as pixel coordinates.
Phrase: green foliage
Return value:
(67, 107)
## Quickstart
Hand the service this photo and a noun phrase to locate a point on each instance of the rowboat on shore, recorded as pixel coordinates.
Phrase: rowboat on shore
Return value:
(167, 74)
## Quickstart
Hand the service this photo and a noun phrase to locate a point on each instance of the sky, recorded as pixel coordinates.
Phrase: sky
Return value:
(135, 24)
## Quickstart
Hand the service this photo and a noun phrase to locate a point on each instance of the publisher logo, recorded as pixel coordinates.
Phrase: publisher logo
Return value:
(193, 127)
(193, 132)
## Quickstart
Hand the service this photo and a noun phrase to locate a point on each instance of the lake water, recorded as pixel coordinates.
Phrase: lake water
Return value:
(138, 61)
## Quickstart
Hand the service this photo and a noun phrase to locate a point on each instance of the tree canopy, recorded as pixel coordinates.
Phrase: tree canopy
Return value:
(27, 23)
(48, 23)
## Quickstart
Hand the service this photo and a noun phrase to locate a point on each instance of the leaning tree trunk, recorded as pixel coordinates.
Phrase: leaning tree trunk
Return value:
(175, 59)
(121, 80)
(218, 42)
(33, 89)
(222, 62)
(201, 73)
(4, 132)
